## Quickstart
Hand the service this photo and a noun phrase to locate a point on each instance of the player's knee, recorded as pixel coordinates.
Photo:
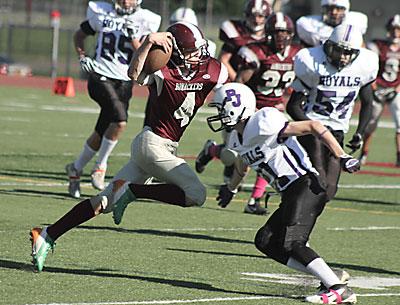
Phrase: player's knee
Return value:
(99, 203)
(120, 125)
(262, 240)
(196, 195)
(228, 156)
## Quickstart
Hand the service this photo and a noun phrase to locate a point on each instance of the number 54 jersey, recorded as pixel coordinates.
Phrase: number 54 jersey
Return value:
(332, 92)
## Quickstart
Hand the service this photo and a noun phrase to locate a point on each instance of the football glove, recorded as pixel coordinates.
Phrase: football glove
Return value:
(355, 143)
(225, 195)
(87, 64)
(349, 164)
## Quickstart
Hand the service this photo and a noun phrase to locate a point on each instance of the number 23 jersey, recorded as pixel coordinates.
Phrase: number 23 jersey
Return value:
(332, 92)
(114, 48)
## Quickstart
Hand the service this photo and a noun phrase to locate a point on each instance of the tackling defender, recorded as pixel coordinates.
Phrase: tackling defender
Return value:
(266, 142)
(119, 28)
(176, 93)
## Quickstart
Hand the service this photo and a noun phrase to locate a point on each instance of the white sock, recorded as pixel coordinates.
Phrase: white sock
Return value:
(323, 272)
(296, 265)
(86, 155)
(105, 150)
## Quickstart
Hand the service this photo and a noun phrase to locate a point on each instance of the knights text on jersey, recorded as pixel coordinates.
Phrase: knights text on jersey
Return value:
(174, 101)
(389, 63)
(332, 93)
(114, 46)
(280, 161)
(273, 72)
(313, 31)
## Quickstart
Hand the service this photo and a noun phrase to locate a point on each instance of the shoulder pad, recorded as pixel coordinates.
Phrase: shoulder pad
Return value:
(95, 8)
(229, 29)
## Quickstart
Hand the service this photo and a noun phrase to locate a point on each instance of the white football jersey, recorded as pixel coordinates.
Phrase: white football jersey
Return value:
(114, 48)
(280, 161)
(332, 93)
(313, 31)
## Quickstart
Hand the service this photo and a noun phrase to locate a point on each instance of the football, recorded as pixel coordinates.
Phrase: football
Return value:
(156, 59)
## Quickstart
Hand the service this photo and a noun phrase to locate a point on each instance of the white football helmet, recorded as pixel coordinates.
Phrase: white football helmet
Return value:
(343, 46)
(334, 11)
(235, 102)
(126, 7)
(184, 14)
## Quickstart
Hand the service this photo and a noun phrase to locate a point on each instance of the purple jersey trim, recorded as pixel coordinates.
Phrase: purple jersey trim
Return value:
(291, 165)
(281, 138)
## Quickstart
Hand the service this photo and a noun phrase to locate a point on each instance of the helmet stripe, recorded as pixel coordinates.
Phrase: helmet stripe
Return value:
(347, 33)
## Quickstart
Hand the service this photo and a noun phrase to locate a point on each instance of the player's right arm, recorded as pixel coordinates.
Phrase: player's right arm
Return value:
(163, 39)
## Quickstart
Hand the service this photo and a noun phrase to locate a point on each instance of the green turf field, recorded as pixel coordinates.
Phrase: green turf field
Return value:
(163, 254)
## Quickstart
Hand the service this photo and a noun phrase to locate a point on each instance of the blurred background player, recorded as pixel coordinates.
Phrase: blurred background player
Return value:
(387, 86)
(119, 27)
(268, 70)
(188, 15)
(316, 29)
(173, 104)
(266, 141)
(234, 34)
(328, 79)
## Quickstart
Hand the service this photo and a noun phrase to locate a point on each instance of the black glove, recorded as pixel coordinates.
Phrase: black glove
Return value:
(225, 195)
(355, 143)
(349, 164)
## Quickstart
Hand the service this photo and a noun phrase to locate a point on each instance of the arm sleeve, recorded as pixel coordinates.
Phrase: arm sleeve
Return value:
(366, 97)
(295, 106)
(86, 28)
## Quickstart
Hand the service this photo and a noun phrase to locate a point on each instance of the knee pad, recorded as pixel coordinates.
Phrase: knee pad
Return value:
(99, 203)
(228, 156)
(196, 196)
(263, 239)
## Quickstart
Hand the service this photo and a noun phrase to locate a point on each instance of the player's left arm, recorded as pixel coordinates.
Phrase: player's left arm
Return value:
(366, 97)
(316, 128)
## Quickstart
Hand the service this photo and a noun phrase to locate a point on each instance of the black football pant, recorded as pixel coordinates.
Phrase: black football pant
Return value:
(288, 229)
(327, 165)
(113, 97)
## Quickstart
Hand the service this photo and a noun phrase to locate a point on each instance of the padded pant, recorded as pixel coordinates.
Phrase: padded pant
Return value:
(288, 230)
(113, 98)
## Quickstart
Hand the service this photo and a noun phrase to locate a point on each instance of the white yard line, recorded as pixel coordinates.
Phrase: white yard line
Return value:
(209, 300)
(369, 228)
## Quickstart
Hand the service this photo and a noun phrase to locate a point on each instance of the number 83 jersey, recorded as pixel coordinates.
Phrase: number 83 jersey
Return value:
(332, 92)
(114, 48)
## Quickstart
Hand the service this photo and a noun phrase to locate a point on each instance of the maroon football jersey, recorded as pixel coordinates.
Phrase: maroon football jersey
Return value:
(235, 34)
(273, 72)
(389, 64)
(174, 101)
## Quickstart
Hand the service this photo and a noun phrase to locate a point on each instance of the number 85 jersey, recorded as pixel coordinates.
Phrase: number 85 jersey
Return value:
(332, 92)
(114, 48)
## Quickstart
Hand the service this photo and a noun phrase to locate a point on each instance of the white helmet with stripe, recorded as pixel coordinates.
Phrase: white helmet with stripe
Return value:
(343, 46)
(334, 11)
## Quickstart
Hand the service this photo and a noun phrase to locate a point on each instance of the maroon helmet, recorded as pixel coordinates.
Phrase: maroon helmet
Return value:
(280, 29)
(392, 24)
(188, 40)
(255, 8)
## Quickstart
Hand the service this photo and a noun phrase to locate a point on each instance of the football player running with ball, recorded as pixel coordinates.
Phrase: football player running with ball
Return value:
(328, 80)
(266, 141)
(177, 91)
(119, 28)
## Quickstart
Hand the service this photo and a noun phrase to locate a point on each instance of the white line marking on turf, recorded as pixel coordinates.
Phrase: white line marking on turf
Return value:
(208, 300)
(370, 228)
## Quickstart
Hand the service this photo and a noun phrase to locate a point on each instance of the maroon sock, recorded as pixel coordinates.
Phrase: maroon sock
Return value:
(168, 193)
(80, 213)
